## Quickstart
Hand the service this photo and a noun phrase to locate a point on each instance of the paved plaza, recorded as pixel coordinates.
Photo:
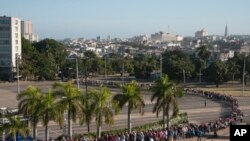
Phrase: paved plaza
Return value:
(193, 105)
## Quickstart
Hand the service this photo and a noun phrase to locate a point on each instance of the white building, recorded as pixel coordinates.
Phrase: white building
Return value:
(10, 44)
(27, 31)
(163, 37)
(201, 33)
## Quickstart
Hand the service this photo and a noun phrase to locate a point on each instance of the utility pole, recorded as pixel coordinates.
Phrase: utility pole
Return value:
(160, 65)
(77, 76)
(122, 69)
(17, 72)
(243, 76)
(184, 77)
(86, 75)
(106, 67)
(200, 76)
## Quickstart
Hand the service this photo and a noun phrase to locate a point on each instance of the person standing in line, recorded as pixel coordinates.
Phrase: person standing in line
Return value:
(205, 103)
(199, 135)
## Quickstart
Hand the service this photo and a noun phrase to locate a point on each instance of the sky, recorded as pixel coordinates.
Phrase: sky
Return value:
(126, 18)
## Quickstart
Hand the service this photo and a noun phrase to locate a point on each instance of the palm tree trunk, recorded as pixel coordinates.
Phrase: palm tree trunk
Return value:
(167, 113)
(164, 116)
(69, 124)
(99, 130)
(88, 126)
(34, 132)
(46, 133)
(14, 138)
(233, 78)
(168, 120)
(200, 75)
(129, 119)
(98, 126)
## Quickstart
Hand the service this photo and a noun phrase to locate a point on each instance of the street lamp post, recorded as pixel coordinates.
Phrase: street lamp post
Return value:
(17, 72)
(122, 69)
(184, 76)
(77, 76)
(123, 54)
(106, 67)
(160, 65)
(243, 77)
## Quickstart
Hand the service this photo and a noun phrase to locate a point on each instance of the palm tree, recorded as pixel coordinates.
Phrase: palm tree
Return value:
(165, 94)
(14, 126)
(87, 108)
(131, 95)
(204, 54)
(70, 101)
(103, 108)
(28, 101)
(49, 110)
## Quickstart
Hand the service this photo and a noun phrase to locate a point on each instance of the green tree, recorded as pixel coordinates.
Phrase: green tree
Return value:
(49, 110)
(165, 93)
(51, 47)
(174, 62)
(216, 73)
(68, 69)
(103, 108)
(50, 55)
(204, 54)
(14, 126)
(131, 95)
(70, 101)
(46, 67)
(28, 101)
(88, 105)
(27, 68)
(233, 68)
(144, 65)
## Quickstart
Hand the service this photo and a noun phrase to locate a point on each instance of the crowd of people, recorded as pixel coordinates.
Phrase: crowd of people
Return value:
(181, 131)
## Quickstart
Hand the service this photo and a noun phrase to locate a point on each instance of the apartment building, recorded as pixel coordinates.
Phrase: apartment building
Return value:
(10, 45)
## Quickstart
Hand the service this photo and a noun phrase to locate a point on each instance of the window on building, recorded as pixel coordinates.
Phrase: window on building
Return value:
(16, 29)
(5, 49)
(4, 21)
(16, 48)
(4, 56)
(16, 22)
(5, 28)
(4, 35)
(16, 41)
(4, 42)
(16, 35)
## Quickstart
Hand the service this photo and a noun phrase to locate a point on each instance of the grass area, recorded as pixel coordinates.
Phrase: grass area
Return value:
(228, 88)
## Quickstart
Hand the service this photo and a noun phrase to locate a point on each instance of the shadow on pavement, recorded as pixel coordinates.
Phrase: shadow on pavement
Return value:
(222, 137)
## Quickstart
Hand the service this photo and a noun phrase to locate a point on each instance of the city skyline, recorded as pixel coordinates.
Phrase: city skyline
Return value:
(89, 19)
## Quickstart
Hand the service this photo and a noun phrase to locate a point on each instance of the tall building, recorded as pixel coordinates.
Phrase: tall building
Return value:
(201, 33)
(10, 45)
(226, 31)
(27, 31)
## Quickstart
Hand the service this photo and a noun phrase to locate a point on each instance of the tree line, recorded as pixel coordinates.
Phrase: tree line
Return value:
(83, 106)
(47, 60)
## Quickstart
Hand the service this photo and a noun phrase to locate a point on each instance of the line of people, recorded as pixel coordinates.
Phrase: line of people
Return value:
(181, 131)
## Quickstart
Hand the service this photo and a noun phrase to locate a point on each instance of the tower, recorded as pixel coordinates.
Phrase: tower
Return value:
(10, 45)
(226, 32)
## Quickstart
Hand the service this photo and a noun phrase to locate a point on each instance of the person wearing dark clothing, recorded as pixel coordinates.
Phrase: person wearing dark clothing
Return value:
(199, 135)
